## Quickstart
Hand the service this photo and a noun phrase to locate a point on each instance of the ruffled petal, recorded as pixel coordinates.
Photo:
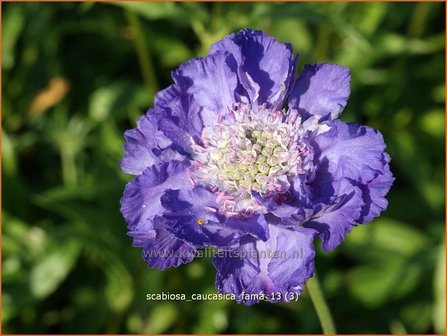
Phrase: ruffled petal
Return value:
(281, 265)
(179, 116)
(141, 201)
(144, 144)
(167, 250)
(264, 65)
(321, 90)
(348, 150)
(256, 225)
(211, 84)
(335, 220)
(189, 213)
(352, 178)
(374, 192)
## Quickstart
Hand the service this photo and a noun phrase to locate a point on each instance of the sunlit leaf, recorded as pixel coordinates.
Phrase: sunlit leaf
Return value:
(161, 318)
(375, 284)
(12, 25)
(433, 122)
(165, 10)
(388, 235)
(439, 292)
(417, 316)
(53, 268)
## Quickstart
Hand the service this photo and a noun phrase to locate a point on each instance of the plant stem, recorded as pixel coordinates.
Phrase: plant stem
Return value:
(69, 174)
(144, 57)
(321, 307)
(418, 19)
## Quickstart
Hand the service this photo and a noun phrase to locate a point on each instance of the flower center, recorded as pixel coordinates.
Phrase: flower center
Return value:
(252, 149)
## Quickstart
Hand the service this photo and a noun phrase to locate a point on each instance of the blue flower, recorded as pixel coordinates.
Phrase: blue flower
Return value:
(241, 156)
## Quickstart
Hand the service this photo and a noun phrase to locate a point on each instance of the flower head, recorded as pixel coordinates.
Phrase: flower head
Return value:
(240, 155)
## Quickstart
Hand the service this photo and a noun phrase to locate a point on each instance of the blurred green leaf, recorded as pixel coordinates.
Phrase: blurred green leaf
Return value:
(397, 328)
(54, 267)
(8, 156)
(439, 292)
(116, 100)
(417, 316)
(12, 26)
(333, 282)
(174, 52)
(388, 235)
(433, 123)
(375, 284)
(21, 238)
(371, 16)
(392, 44)
(439, 94)
(434, 193)
(119, 289)
(152, 11)
(161, 318)
(295, 32)
(165, 10)
(212, 317)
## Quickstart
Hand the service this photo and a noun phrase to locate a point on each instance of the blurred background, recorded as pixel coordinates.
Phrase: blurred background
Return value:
(75, 76)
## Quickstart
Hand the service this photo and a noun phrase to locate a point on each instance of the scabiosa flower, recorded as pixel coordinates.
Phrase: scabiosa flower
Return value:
(240, 155)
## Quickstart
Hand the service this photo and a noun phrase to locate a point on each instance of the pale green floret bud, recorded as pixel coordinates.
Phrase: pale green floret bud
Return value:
(248, 178)
(266, 135)
(261, 179)
(266, 151)
(261, 159)
(263, 168)
(272, 161)
(256, 134)
(253, 169)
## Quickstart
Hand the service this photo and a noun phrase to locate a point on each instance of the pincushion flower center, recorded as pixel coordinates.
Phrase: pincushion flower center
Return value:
(250, 156)
(251, 149)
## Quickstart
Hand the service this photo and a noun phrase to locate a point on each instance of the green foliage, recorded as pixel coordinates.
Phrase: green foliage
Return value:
(76, 75)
